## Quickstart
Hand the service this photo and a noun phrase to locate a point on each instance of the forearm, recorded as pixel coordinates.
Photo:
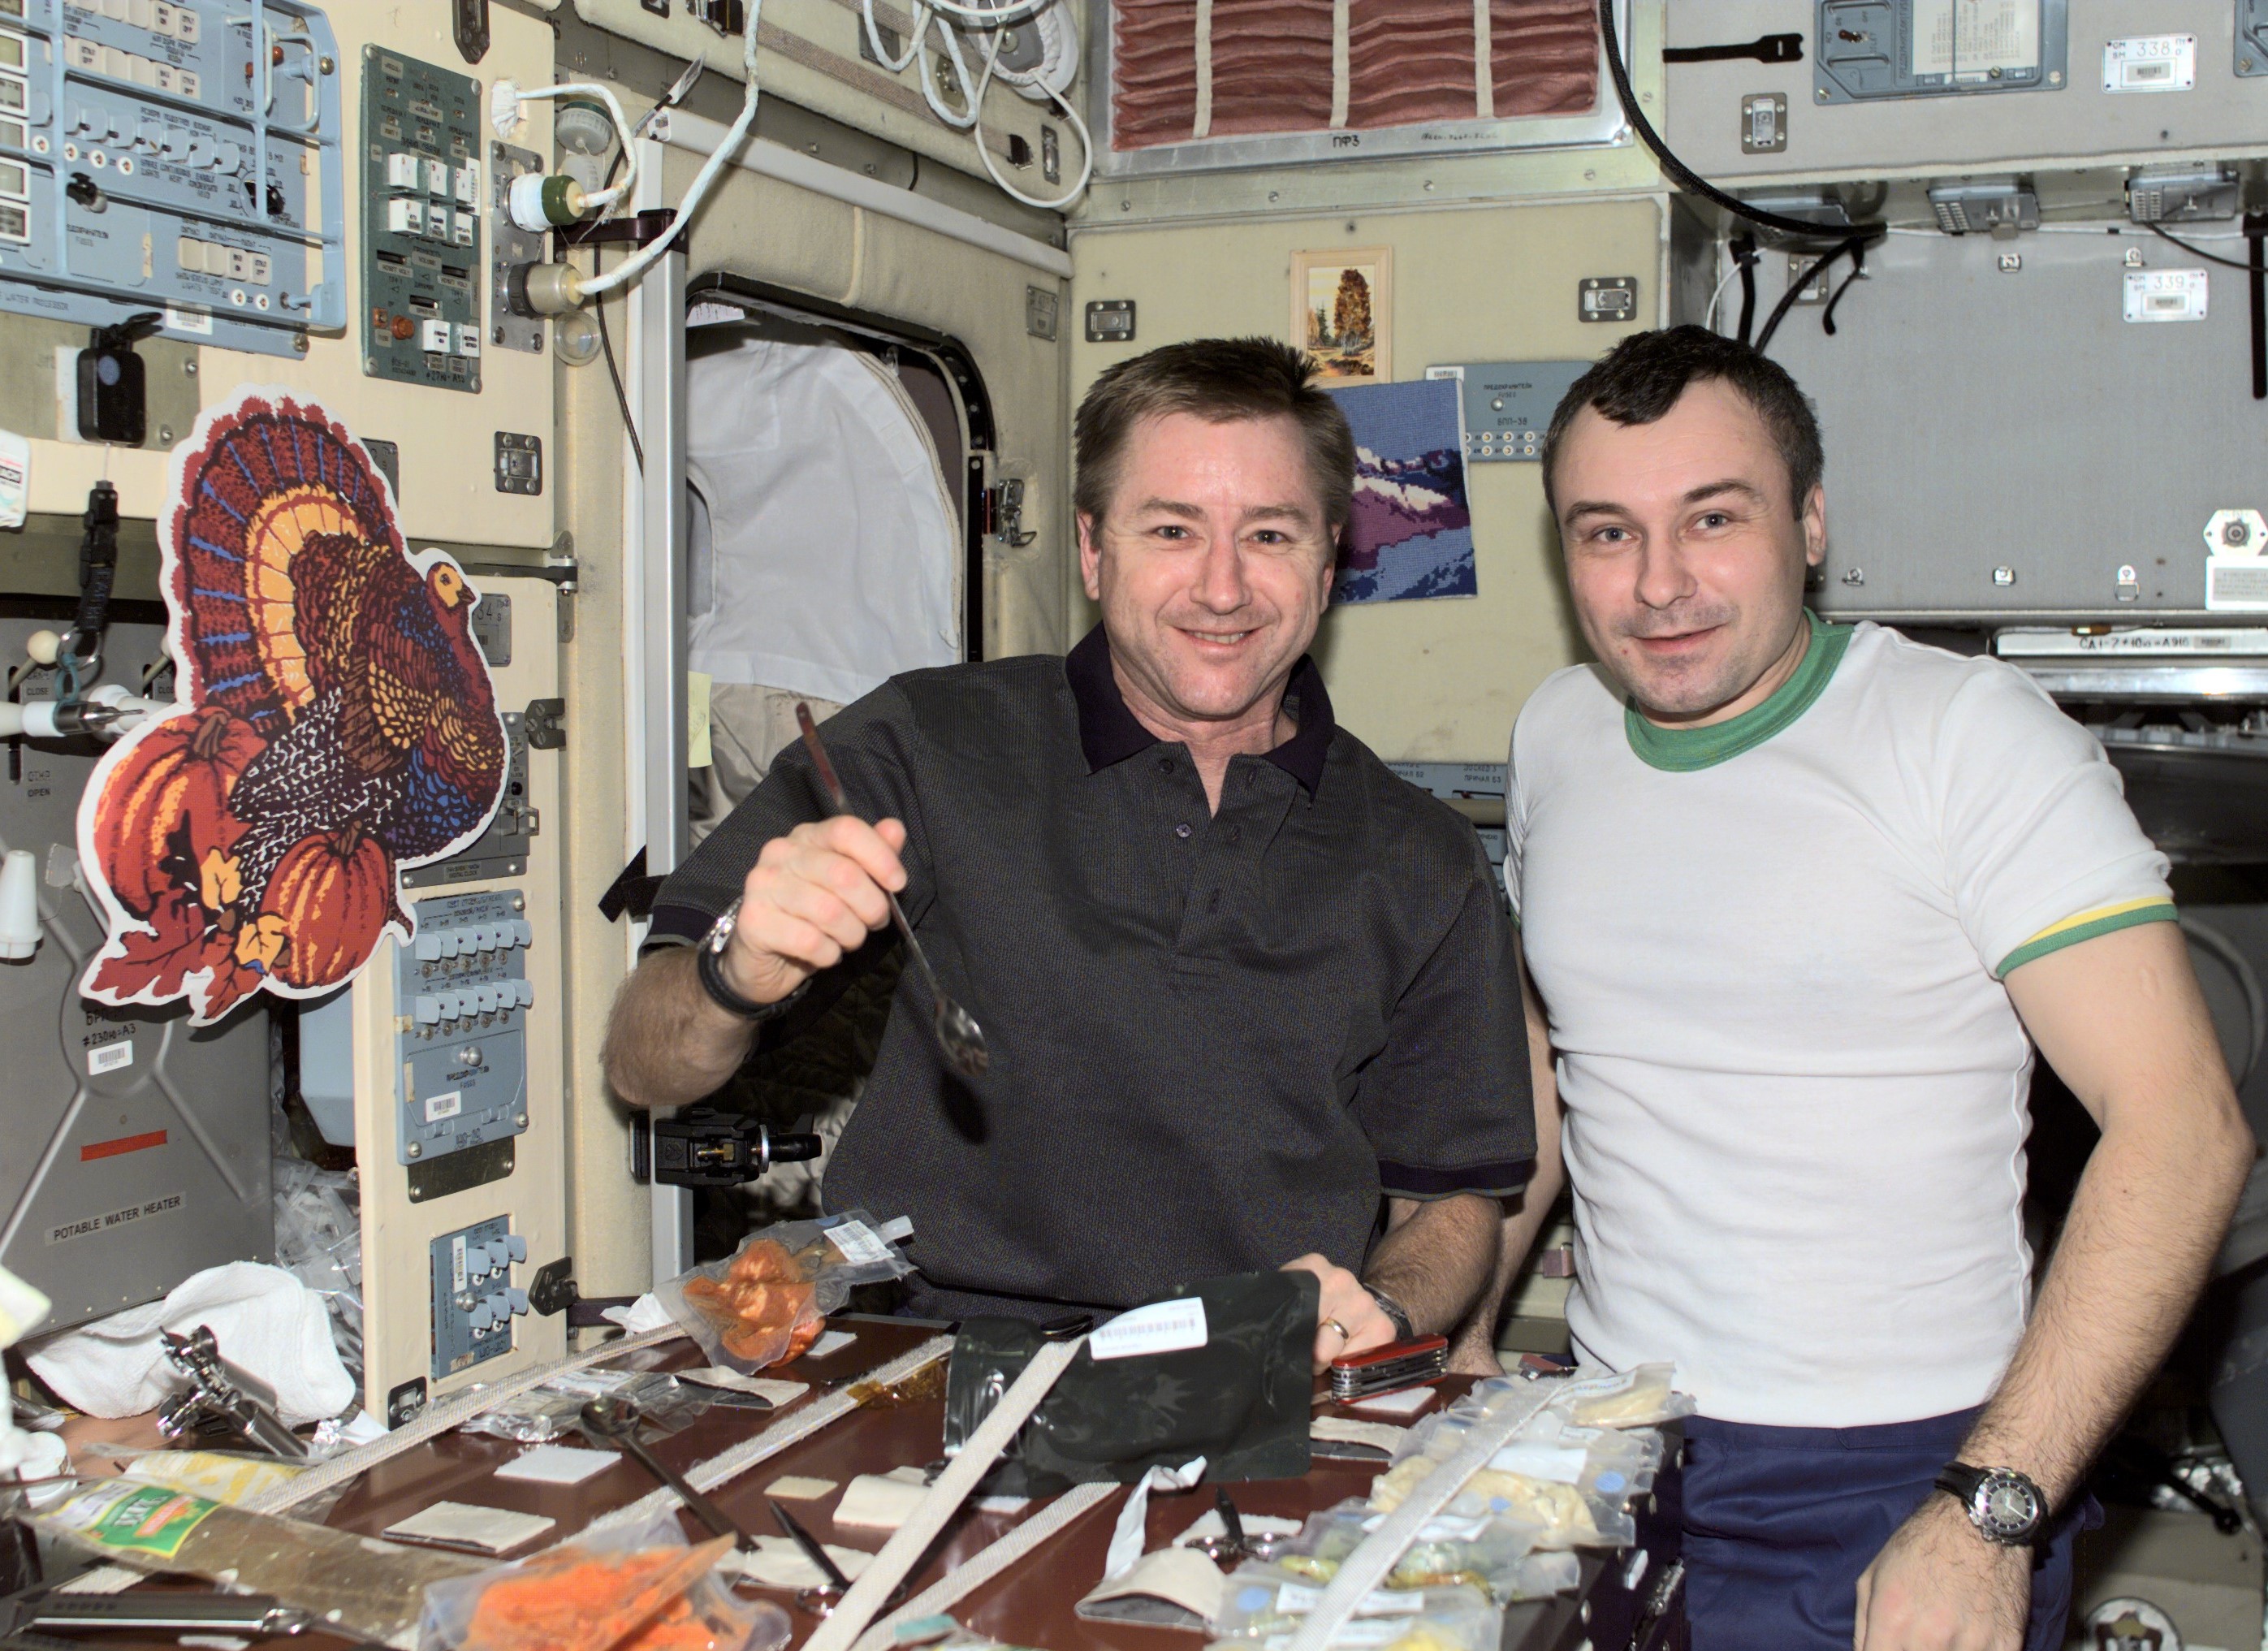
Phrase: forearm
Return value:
(1436, 1257)
(2144, 1228)
(667, 1043)
(1516, 1235)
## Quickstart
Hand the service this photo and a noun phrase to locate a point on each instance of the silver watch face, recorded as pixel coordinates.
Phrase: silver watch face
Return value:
(721, 932)
(2007, 1506)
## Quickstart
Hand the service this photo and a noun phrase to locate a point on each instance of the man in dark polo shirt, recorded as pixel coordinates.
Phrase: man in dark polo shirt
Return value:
(1251, 1000)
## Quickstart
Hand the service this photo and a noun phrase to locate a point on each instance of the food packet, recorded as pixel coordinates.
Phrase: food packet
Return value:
(368, 1587)
(1545, 1572)
(768, 1302)
(1449, 1551)
(1264, 1603)
(1549, 1484)
(553, 1409)
(1640, 1397)
(626, 1587)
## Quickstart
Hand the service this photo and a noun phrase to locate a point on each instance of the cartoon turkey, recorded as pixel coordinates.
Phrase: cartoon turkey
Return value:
(301, 613)
(337, 726)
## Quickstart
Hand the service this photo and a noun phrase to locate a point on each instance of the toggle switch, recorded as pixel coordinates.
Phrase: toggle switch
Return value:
(427, 1009)
(515, 1246)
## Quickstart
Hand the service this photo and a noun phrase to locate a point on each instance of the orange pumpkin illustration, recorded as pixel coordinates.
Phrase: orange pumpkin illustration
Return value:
(177, 777)
(334, 893)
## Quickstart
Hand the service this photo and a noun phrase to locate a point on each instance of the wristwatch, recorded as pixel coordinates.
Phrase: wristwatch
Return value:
(2003, 1505)
(1403, 1329)
(709, 955)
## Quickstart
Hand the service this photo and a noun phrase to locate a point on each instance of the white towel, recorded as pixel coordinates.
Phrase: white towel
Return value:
(267, 1323)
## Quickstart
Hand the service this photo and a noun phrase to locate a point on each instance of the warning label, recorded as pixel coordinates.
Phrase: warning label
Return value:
(164, 1205)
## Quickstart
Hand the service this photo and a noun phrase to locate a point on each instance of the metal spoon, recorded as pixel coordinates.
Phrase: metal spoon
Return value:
(956, 1028)
(616, 1420)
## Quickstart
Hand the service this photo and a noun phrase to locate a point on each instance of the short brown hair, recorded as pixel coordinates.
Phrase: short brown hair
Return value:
(1220, 381)
(1640, 379)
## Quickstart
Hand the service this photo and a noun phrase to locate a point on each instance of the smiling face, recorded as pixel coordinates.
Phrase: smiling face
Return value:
(1212, 564)
(1686, 555)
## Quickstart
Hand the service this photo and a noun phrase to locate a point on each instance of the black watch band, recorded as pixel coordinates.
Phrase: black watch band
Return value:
(2006, 1508)
(709, 966)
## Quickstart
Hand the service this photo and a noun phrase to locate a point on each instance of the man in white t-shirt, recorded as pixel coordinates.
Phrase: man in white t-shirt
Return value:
(1799, 901)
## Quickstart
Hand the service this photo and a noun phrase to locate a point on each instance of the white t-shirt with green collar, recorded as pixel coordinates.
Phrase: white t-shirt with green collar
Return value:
(1771, 954)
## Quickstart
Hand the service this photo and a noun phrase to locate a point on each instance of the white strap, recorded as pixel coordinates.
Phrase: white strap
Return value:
(1379, 1552)
(988, 1562)
(1340, 22)
(1202, 126)
(1484, 62)
(906, 1545)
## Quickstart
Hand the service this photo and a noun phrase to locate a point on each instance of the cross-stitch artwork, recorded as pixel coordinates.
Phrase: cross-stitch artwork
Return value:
(336, 724)
(1412, 531)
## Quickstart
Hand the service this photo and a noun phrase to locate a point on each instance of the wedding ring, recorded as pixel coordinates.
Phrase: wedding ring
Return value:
(1332, 1323)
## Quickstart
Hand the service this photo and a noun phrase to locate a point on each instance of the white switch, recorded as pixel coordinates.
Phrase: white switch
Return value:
(405, 217)
(437, 222)
(429, 946)
(436, 177)
(464, 229)
(451, 941)
(400, 172)
(260, 268)
(427, 1009)
(184, 23)
(433, 336)
(468, 344)
(468, 186)
(487, 1000)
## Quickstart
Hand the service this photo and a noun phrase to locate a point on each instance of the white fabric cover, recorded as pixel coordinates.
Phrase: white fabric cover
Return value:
(1795, 1092)
(823, 547)
(266, 1322)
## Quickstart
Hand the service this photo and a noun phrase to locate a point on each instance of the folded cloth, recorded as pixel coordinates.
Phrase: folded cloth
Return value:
(266, 1322)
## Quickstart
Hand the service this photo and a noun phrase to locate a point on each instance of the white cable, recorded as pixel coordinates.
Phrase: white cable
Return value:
(600, 198)
(638, 263)
(962, 119)
(1085, 142)
(913, 40)
(1710, 321)
(991, 17)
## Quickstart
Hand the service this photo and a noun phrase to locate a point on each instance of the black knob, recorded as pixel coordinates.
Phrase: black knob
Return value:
(82, 191)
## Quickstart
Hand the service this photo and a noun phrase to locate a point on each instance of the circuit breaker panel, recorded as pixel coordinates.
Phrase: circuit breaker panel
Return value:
(421, 222)
(460, 1109)
(145, 167)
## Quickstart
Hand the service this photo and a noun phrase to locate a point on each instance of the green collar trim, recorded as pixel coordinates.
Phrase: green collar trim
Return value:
(1686, 750)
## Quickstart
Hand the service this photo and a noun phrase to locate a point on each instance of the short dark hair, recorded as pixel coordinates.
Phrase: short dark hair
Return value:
(1220, 381)
(1641, 377)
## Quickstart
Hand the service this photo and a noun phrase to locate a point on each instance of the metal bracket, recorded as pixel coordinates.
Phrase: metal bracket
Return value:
(468, 23)
(547, 724)
(1004, 513)
(553, 1290)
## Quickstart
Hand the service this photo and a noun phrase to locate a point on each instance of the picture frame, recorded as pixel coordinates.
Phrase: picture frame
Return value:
(1342, 313)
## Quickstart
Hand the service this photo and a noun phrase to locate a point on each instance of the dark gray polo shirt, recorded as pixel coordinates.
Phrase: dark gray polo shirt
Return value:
(1217, 1039)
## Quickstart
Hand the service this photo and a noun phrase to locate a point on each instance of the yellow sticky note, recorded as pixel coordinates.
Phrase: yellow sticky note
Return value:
(696, 719)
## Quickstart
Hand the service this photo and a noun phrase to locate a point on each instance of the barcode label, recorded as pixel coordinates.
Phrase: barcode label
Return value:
(855, 1243)
(1162, 1327)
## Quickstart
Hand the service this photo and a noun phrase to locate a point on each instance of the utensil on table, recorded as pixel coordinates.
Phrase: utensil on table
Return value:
(616, 1420)
(956, 1028)
(824, 1598)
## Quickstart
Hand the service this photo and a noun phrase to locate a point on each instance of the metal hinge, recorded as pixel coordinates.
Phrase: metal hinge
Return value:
(546, 725)
(1004, 513)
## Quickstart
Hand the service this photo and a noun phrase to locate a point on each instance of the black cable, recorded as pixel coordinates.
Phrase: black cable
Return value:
(2200, 251)
(1795, 287)
(1743, 247)
(1677, 169)
(1857, 268)
(605, 338)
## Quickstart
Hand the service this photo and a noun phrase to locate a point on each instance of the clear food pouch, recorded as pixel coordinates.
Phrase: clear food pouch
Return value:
(1265, 1603)
(637, 1588)
(768, 1302)
(553, 1409)
(1551, 1487)
(1450, 1551)
(1640, 1397)
(368, 1587)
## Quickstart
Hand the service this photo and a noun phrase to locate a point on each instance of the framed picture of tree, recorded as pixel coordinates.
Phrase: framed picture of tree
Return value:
(1342, 313)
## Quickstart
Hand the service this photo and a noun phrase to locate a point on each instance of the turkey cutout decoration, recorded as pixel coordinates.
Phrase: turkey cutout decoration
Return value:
(336, 726)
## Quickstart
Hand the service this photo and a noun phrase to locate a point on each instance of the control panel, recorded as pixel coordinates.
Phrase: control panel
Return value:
(474, 1300)
(1508, 405)
(146, 166)
(501, 850)
(1912, 49)
(461, 1023)
(421, 269)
